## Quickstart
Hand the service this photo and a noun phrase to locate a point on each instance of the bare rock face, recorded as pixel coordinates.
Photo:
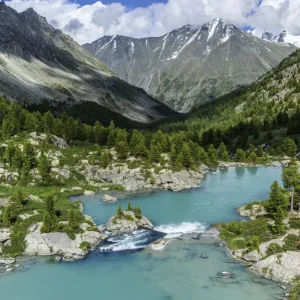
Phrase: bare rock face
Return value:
(127, 224)
(184, 68)
(283, 267)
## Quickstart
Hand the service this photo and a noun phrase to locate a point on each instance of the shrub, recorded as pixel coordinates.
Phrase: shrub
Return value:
(235, 228)
(294, 223)
(292, 243)
(273, 249)
(129, 218)
(85, 246)
(93, 228)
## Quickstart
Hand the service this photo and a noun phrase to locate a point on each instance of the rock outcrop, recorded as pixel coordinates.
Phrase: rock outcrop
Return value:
(58, 243)
(134, 179)
(255, 211)
(36, 138)
(283, 267)
(128, 223)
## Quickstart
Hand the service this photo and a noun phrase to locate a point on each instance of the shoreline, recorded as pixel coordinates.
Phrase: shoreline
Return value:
(144, 191)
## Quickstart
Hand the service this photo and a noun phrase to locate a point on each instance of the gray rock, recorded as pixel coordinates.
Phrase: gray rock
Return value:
(62, 172)
(283, 267)
(58, 243)
(109, 199)
(7, 261)
(4, 235)
(89, 193)
(252, 256)
(117, 226)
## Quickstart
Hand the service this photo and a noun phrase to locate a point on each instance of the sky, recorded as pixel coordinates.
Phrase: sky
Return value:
(88, 20)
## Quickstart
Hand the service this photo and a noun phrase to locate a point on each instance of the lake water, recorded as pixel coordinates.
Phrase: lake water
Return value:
(179, 272)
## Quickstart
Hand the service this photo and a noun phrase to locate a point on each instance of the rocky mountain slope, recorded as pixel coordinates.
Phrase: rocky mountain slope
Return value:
(191, 65)
(39, 62)
(282, 37)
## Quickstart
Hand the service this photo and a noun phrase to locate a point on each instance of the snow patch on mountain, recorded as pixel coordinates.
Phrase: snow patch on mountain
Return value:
(176, 53)
(212, 28)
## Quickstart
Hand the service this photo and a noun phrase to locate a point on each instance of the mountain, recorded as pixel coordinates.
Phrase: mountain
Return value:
(39, 62)
(191, 65)
(263, 113)
(282, 37)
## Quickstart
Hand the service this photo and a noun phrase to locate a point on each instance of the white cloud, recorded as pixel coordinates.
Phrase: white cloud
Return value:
(89, 22)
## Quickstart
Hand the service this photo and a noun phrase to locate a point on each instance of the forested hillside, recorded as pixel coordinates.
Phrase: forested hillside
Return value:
(265, 112)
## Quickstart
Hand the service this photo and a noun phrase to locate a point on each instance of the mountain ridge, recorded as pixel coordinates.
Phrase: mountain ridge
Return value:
(39, 62)
(184, 68)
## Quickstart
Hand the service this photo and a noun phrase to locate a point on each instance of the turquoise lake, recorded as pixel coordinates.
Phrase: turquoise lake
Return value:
(178, 272)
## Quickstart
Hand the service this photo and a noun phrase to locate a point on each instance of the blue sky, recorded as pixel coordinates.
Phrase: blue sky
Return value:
(127, 3)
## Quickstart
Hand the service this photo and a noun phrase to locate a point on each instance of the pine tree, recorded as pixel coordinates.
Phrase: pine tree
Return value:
(187, 157)
(276, 199)
(289, 147)
(221, 150)
(225, 156)
(44, 167)
(50, 206)
(278, 226)
(18, 198)
(154, 153)
(50, 222)
(178, 166)
(29, 156)
(17, 158)
(212, 151)
(259, 152)
(47, 224)
(48, 120)
(106, 159)
(73, 223)
(291, 179)
(137, 212)
(253, 157)
(122, 149)
(9, 154)
(119, 213)
(240, 155)
(129, 207)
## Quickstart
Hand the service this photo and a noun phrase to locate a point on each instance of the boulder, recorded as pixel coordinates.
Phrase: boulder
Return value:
(109, 199)
(4, 235)
(62, 172)
(55, 162)
(89, 193)
(34, 198)
(59, 142)
(253, 256)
